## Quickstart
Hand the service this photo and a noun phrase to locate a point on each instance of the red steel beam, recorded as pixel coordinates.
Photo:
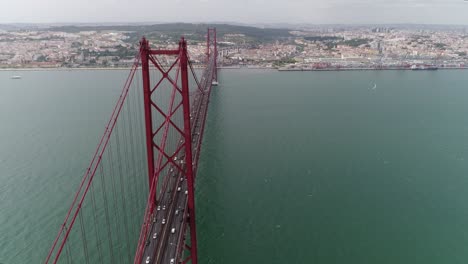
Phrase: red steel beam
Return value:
(188, 149)
(145, 51)
(164, 52)
(215, 55)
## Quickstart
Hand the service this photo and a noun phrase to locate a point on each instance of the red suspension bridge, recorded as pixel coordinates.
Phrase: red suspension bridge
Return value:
(136, 200)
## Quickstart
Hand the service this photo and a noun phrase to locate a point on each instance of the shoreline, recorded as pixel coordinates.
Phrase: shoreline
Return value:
(61, 69)
(372, 69)
(229, 68)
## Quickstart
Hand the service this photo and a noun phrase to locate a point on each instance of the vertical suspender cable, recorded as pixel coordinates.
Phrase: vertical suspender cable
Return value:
(69, 257)
(122, 191)
(96, 226)
(114, 192)
(133, 179)
(142, 152)
(83, 236)
(106, 210)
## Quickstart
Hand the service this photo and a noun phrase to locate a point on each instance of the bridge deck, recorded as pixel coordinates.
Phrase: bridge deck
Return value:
(172, 205)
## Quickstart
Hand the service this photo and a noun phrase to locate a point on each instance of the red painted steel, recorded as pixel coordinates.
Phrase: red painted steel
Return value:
(188, 150)
(144, 51)
(215, 55)
(185, 132)
(212, 42)
(164, 52)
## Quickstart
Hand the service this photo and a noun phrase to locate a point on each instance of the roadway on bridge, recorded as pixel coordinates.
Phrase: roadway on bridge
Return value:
(166, 240)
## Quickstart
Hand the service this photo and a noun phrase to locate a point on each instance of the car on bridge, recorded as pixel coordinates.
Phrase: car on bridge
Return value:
(147, 260)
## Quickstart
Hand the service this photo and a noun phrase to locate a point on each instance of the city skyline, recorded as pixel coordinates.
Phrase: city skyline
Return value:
(241, 11)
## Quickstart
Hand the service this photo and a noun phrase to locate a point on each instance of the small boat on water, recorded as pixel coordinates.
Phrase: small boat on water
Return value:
(214, 83)
(15, 77)
(424, 68)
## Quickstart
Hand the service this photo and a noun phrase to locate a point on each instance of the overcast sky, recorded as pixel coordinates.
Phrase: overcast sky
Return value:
(246, 11)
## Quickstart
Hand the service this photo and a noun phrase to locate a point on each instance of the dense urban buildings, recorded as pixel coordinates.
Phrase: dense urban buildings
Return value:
(301, 48)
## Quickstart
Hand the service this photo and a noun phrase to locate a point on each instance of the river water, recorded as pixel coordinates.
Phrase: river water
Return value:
(296, 167)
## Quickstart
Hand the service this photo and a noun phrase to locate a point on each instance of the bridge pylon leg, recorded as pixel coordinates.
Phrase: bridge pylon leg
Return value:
(145, 53)
(188, 150)
(212, 49)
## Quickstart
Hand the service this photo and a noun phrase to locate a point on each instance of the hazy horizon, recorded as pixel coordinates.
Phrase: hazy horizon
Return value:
(440, 12)
(291, 26)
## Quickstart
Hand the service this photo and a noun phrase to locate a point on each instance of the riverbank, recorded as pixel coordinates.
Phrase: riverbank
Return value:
(62, 69)
(228, 68)
(371, 69)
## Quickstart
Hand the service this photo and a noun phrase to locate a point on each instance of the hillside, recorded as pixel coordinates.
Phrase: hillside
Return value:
(191, 31)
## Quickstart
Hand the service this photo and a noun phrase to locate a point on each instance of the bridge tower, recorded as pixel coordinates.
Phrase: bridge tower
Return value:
(120, 182)
(152, 131)
(212, 48)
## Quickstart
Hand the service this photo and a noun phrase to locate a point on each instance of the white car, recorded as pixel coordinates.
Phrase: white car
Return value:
(164, 221)
(172, 261)
(186, 192)
(147, 260)
(164, 207)
(173, 230)
(176, 212)
(159, 207)
(178, 189)
(155, 235)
